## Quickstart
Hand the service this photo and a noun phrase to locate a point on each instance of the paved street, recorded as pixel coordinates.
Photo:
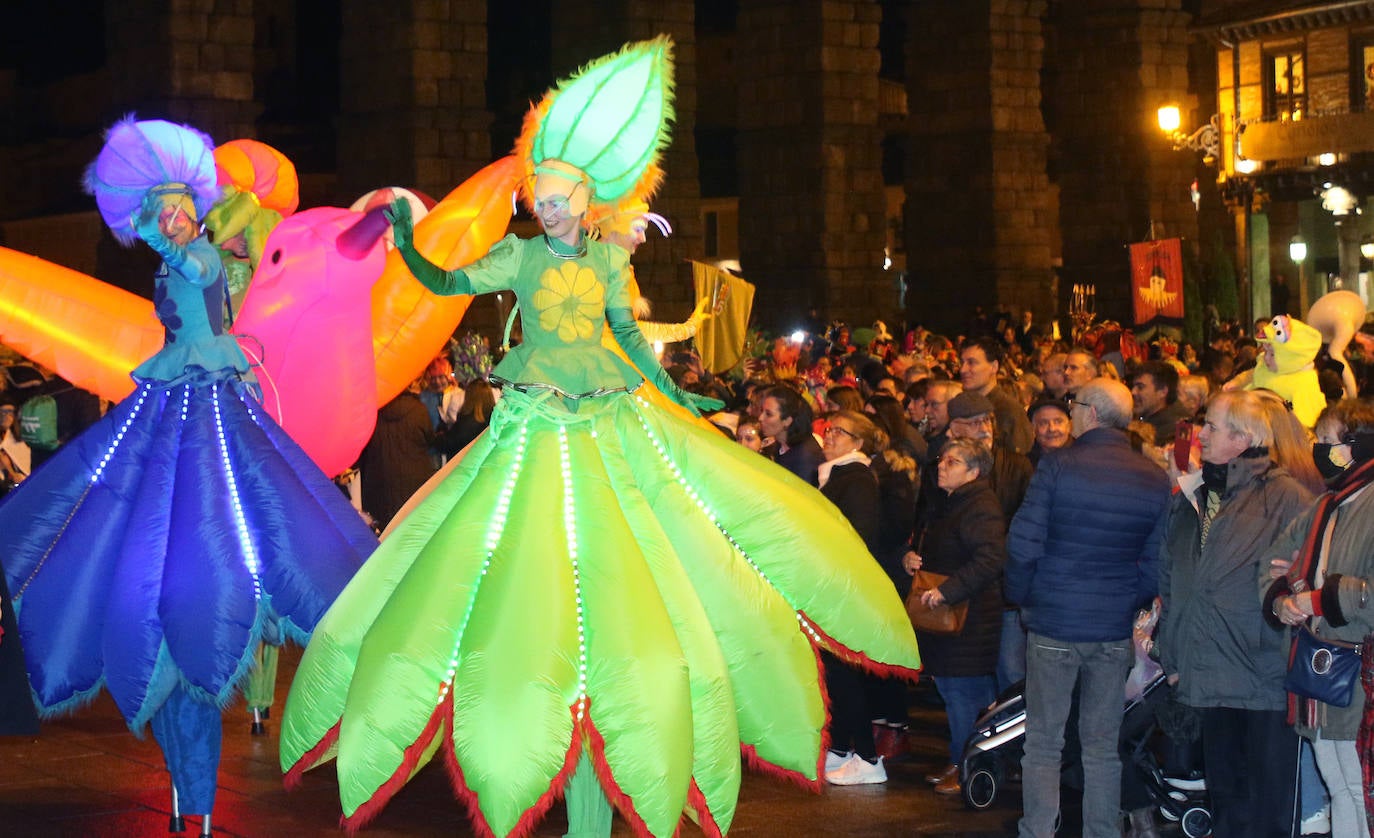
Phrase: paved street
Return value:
(87, 775)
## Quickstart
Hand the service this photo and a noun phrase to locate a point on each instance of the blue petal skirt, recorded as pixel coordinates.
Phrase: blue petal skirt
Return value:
(153, 552)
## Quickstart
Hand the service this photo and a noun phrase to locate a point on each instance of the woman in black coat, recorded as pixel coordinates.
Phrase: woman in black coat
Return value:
(848, 482)
(963, 536)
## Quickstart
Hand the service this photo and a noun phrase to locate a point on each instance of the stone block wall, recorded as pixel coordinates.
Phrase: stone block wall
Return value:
(1120, 180)
(412, 95)
(980, 211)
(812, 213)
(186, 60)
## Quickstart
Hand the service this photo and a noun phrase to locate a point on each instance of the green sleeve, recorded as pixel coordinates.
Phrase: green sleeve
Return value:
(641, 354)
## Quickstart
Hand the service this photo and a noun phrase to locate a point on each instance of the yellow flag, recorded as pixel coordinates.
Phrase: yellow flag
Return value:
(720, 339)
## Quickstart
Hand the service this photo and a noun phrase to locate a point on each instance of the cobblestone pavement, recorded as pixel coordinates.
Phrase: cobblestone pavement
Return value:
(87, 775)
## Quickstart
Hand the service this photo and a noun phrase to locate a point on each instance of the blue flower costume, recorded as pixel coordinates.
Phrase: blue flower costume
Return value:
(153, 552)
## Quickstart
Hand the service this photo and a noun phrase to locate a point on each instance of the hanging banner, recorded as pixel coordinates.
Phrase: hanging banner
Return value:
(720, 339)
(1157, 284)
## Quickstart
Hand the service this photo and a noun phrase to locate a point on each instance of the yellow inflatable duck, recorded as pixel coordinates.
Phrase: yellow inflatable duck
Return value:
(1286, 367)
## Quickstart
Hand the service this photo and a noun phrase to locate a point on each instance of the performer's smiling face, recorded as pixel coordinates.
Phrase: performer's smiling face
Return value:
(176, 225)
(555, 216)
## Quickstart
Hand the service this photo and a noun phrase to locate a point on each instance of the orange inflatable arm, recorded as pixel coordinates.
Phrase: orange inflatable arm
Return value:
(409, 324)
(93, 334)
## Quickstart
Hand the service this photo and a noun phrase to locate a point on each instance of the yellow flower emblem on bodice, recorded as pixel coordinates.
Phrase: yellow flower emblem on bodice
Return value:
(570, 300)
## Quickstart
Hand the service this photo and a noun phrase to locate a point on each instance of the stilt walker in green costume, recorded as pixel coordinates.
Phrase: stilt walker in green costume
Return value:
(603, 601)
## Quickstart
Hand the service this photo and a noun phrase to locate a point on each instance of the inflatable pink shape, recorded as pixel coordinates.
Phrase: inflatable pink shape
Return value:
(307, 320)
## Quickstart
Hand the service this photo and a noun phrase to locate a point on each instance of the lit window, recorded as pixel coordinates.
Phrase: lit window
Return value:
(1285, 85)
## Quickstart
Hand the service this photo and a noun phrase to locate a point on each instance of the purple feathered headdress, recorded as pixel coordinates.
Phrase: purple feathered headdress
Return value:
(138, 156)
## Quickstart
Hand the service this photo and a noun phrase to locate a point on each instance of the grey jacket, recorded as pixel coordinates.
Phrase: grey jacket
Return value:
(1212, 633)
(1350, 598)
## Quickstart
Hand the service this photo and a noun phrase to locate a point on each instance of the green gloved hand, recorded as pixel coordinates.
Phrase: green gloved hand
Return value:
(436, 279)
(704, 404)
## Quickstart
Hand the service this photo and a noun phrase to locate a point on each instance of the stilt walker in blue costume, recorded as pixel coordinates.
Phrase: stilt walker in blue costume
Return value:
(152, 553)
(604, 600)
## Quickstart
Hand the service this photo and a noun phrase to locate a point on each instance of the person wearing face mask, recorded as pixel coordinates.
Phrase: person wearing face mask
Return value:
(1212, 641)
(1328, 554)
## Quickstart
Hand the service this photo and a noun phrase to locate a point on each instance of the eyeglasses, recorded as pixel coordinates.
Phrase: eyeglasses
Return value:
(980, 419)
(836, 429)
(556, 204)
(560, 204)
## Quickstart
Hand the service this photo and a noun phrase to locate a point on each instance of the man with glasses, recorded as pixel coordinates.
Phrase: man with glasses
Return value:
(1082, 556)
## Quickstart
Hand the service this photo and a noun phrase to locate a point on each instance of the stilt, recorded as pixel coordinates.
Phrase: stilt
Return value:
(176, 823)
(258, 728)
(205, 826)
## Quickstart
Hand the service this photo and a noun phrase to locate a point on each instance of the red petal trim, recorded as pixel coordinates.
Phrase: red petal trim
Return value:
(758, 763)
(859, 659)
(296, 776)
(619, 799)
(411, 758)
(535, 813)
(697, 801)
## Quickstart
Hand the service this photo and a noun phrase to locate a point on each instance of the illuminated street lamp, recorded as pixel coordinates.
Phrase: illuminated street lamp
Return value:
(1297, 251)
(1206, 139)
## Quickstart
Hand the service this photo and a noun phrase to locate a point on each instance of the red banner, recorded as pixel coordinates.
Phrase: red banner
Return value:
(1157, 281)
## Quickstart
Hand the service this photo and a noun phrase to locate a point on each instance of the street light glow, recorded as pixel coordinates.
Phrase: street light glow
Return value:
(1297, 249)
(1169, 119)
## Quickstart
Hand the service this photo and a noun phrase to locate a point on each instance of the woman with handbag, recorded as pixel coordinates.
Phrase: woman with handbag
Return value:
(963, 537)
(1212, 640)
(1325, 596)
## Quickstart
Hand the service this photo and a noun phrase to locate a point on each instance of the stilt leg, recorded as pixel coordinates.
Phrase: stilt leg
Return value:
(589, 812)
(260, 690)
(176, 823)
(205, 826)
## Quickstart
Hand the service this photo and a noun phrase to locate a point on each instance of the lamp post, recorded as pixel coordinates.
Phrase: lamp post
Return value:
(1206, 139)
(1297, 251)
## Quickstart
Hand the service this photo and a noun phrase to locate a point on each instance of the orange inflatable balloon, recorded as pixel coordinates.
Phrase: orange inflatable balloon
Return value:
(90, 332)
(409, 324)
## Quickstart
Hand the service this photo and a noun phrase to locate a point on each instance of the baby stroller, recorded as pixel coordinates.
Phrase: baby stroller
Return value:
(993, 754)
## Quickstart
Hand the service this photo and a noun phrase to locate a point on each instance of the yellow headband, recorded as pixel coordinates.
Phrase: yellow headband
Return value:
(177, 195)
(554, 177)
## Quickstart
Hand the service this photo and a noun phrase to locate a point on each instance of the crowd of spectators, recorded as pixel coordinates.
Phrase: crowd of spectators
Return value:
(1080, 445)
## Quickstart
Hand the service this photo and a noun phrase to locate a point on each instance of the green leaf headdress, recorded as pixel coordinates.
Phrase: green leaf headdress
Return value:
(609, 121)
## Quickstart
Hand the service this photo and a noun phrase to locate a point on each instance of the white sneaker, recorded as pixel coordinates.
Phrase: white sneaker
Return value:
(857, 771)
(834, 759)
(1317, 823)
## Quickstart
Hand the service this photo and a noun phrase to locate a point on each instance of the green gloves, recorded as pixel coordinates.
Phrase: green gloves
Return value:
(436, 279)
(631, 339)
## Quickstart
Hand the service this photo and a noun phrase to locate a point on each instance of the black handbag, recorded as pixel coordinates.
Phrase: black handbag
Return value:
(1325, 670)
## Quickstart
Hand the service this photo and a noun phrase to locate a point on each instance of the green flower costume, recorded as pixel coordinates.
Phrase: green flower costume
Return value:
(597, 583)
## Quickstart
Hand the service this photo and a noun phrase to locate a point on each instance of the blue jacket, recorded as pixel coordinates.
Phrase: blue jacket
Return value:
(1083, 550)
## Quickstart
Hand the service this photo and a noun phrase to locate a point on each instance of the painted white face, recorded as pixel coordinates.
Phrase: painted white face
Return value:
(632, 238)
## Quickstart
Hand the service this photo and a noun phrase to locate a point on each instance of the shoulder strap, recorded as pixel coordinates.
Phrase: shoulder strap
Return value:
(510, 323)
